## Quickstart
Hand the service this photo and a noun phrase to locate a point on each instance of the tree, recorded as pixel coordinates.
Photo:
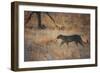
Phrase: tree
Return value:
(41, 26)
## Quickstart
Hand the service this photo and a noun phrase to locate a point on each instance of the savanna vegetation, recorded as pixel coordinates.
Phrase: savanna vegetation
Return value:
(40, 36)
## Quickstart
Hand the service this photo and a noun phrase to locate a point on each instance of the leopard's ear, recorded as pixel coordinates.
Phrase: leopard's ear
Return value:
(57, 36)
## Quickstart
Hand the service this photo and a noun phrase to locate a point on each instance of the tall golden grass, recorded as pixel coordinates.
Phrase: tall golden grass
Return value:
(42, 44)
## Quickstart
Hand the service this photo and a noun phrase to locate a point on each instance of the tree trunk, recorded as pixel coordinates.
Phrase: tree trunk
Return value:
(39, 19)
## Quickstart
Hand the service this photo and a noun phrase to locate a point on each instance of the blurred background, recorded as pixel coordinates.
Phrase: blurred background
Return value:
(42, 29)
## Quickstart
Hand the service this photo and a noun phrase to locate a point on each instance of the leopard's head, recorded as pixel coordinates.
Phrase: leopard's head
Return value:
(59, 36)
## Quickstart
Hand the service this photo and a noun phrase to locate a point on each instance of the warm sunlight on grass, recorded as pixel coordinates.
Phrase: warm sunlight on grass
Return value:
(42, 44)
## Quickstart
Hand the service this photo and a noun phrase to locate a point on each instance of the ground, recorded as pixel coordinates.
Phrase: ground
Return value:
(42, 44)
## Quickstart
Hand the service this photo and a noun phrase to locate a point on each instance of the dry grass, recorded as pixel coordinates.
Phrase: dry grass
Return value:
(43, 45)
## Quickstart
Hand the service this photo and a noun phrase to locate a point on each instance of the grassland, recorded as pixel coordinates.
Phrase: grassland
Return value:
(42, 44)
